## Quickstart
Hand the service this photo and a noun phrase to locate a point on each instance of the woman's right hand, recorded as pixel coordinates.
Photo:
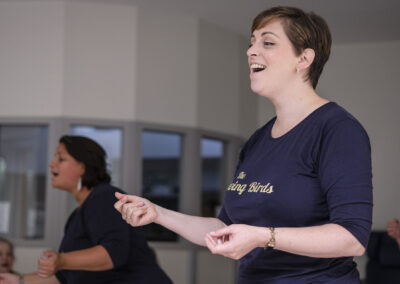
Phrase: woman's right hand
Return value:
(135, 210)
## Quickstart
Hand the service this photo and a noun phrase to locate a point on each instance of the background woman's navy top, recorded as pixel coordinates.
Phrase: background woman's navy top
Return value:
(317, 173)
(97, 222)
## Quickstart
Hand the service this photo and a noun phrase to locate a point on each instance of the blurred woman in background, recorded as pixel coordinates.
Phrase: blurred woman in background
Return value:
(97, 247)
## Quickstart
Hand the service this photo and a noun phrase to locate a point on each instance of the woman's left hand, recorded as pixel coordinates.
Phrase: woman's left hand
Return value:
(235, 241)
(9, 278)
(48, 264)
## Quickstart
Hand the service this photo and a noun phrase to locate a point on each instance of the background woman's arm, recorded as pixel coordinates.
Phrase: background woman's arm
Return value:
(92, 259)
(32, 278)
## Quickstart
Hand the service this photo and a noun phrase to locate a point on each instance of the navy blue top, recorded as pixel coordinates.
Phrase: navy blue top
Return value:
(317, 173)
(97, 222)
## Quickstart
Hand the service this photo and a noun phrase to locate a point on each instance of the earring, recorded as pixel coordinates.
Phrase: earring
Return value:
(297, 70)
(79, 187)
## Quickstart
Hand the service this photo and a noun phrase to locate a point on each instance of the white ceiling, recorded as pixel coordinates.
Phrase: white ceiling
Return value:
(349, 20)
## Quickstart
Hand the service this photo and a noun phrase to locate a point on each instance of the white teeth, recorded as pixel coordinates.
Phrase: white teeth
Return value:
(257, 66)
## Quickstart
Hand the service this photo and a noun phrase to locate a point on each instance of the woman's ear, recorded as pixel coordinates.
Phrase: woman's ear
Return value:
(306, 59)
(83, 168)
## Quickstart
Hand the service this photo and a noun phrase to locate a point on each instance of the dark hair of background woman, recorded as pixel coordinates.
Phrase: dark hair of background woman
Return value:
(92, 155)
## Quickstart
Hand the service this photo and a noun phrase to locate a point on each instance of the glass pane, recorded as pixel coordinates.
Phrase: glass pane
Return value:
(23, 169)
(212, 154)
(161, 153)
(110, 138)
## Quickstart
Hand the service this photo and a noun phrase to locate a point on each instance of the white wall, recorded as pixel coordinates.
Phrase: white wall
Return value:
(225, 101)
(67, 59)
(114, 61)
(249, 101)
(190, 73)
(100, 60)
(219, 79)
(31, 56)
(167, 69)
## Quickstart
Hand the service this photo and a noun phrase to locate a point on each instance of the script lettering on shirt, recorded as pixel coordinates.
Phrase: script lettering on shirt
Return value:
(240, 188)
(254, 187)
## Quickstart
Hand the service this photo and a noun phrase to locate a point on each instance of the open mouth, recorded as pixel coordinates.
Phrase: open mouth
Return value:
(255, 67)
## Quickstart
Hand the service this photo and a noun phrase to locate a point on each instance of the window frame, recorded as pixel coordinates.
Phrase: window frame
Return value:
(224, 172)
(54, 200)
(190, 169)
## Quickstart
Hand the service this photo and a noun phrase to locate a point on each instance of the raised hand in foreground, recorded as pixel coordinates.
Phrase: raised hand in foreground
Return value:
(135, 210)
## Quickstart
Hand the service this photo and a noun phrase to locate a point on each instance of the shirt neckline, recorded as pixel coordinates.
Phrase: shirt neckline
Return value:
(298, 125)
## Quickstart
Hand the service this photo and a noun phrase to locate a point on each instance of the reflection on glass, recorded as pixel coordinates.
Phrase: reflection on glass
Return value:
(23, 169)
(212, 153)
(110, 138)
(161, 153)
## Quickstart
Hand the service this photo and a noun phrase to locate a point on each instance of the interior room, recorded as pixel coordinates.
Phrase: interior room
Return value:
(163, 85)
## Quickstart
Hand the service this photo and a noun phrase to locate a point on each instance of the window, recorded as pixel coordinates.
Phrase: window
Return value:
(23, 169)
(212, 157)
(154, 167)
(161, 158)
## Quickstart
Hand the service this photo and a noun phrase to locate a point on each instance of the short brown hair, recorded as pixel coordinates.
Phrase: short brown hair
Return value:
(304, 30)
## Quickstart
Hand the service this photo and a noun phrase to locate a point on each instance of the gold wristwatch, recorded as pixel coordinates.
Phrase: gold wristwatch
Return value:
(271, 243)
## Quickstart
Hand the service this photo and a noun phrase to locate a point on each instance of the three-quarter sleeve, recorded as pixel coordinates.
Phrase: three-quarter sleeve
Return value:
(346, 177)
(105, 226)
(223, 216)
